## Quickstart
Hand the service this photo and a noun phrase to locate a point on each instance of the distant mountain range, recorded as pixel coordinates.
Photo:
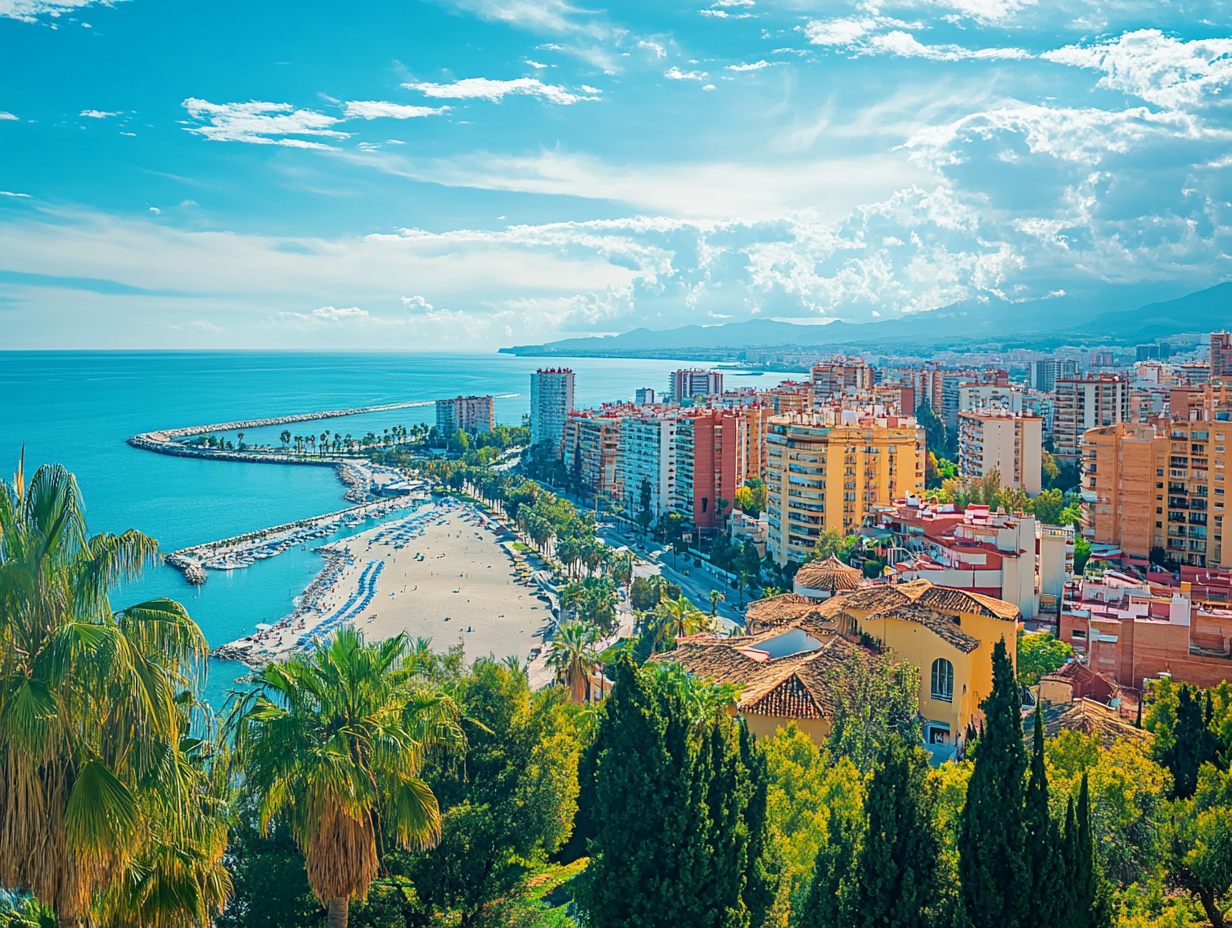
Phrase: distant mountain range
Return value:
(1077, 317)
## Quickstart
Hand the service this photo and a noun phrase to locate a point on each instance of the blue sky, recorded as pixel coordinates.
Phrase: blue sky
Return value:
(476, 173)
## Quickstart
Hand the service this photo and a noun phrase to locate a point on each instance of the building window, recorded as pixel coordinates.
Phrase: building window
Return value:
(943, 680)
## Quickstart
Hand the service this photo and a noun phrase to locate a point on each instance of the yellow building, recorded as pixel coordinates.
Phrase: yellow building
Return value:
(793, 641)
(949, 634)
(828, 470)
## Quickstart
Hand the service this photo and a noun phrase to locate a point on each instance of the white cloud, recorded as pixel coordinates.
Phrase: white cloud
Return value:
(29, 10)
(483, 88)
(536, 15)
(4, 116)
(205, 326)
(337, 315)
(1154, 67)
(675, 74)
(838, 31)
(1084, 135)
(659, 50)
(416, 304)
(723, 14)
(156, 211)
(261, 123)
(905, 45)
(100, 114)
(536, 64)
(376, 109)
(10, 193)
(755, 66)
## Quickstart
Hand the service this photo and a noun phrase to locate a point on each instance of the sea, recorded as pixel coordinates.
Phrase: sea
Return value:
(77, 409)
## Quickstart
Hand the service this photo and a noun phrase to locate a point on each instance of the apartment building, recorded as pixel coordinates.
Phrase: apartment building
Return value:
(960, 386)
(1095, 401)
(471, 414)
(647, 456)
(828, 470)
(1009, 556)
(1012, 443)
(790, 396)
(644, 397)
(1035, 403)
(596, 436)
(687, 384)
(1127, 631)
(1043, 375)
(1161, 484)
(551, 401)
(989, 396)
(841, 375)
(710, 446)
(1221, 355)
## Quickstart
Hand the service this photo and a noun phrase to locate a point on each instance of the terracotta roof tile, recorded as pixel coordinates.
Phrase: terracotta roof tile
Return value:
(886, 597)
(784, 687)
(830, 574)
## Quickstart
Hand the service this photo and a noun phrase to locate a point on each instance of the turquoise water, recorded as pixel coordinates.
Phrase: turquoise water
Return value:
(77, 408)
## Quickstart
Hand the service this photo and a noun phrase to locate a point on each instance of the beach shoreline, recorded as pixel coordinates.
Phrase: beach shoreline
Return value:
(447, 572)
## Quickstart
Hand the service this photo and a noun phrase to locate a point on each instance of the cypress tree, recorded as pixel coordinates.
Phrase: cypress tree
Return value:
(643, 810)
(1089, 896)
(898, 881)
(1043, 853)
(762, 874)
(992, 866)
(1138, 720)
(1191, 744)
(672, 817)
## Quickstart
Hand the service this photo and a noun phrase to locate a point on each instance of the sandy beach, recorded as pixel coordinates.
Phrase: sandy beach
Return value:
(441, 573)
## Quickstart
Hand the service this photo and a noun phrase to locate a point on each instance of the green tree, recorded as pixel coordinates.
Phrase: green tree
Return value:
(336, 742)
(1087, 895)
(1082, 553)
(1200, 845)
(1040, 654)
(935, 437)
(505, 808)
(1048, 507)
(993, 871)
(1188, 743)
(898, 885)
(1042, 846)
(806, 789)
(271, 880)
(829, 543)
(874, 701)
(832, 898)
(89, 726)
(671, 814)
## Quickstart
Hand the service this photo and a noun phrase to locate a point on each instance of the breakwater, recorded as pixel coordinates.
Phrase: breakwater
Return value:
(166, 441)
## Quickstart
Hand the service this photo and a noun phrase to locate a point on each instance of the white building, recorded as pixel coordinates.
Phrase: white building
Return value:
(644, 396)
(688, 384)
(647, 454)
(997, 438)
(551, 401)
(1087, 404)
(989, 396)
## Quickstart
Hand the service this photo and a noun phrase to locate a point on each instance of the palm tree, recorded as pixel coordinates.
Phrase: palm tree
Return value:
(239, 437)
(178, 878)
(573, 658)
(676, 618)
(285, 437)
(715, 598)
(88, 719)
(336, 742)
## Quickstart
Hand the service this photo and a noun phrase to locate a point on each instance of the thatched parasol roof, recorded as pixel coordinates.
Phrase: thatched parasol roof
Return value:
(830, 574)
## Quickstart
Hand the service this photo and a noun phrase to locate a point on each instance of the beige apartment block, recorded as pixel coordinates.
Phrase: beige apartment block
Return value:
(1012, 444)
(1087, 404)
(829, 470)
(1161, 484)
